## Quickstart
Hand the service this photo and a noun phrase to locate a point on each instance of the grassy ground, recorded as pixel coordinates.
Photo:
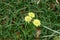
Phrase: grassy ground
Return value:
(13, 26)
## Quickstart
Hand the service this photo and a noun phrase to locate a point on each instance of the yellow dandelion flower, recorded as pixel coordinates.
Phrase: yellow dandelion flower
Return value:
(37, 22)
(31, 14)
(28, 18)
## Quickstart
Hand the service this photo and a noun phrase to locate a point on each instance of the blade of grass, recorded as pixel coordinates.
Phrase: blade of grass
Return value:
(51, 29)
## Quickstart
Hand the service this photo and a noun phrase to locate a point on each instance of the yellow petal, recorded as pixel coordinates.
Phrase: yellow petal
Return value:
(31, 14)
(37, 22)
(28, 18)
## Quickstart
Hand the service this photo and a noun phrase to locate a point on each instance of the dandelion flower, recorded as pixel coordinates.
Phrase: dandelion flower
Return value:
(37, 22)
(28, 19)
(31, 14)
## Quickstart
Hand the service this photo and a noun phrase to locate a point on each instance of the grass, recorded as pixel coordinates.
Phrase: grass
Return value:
(13, 26)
